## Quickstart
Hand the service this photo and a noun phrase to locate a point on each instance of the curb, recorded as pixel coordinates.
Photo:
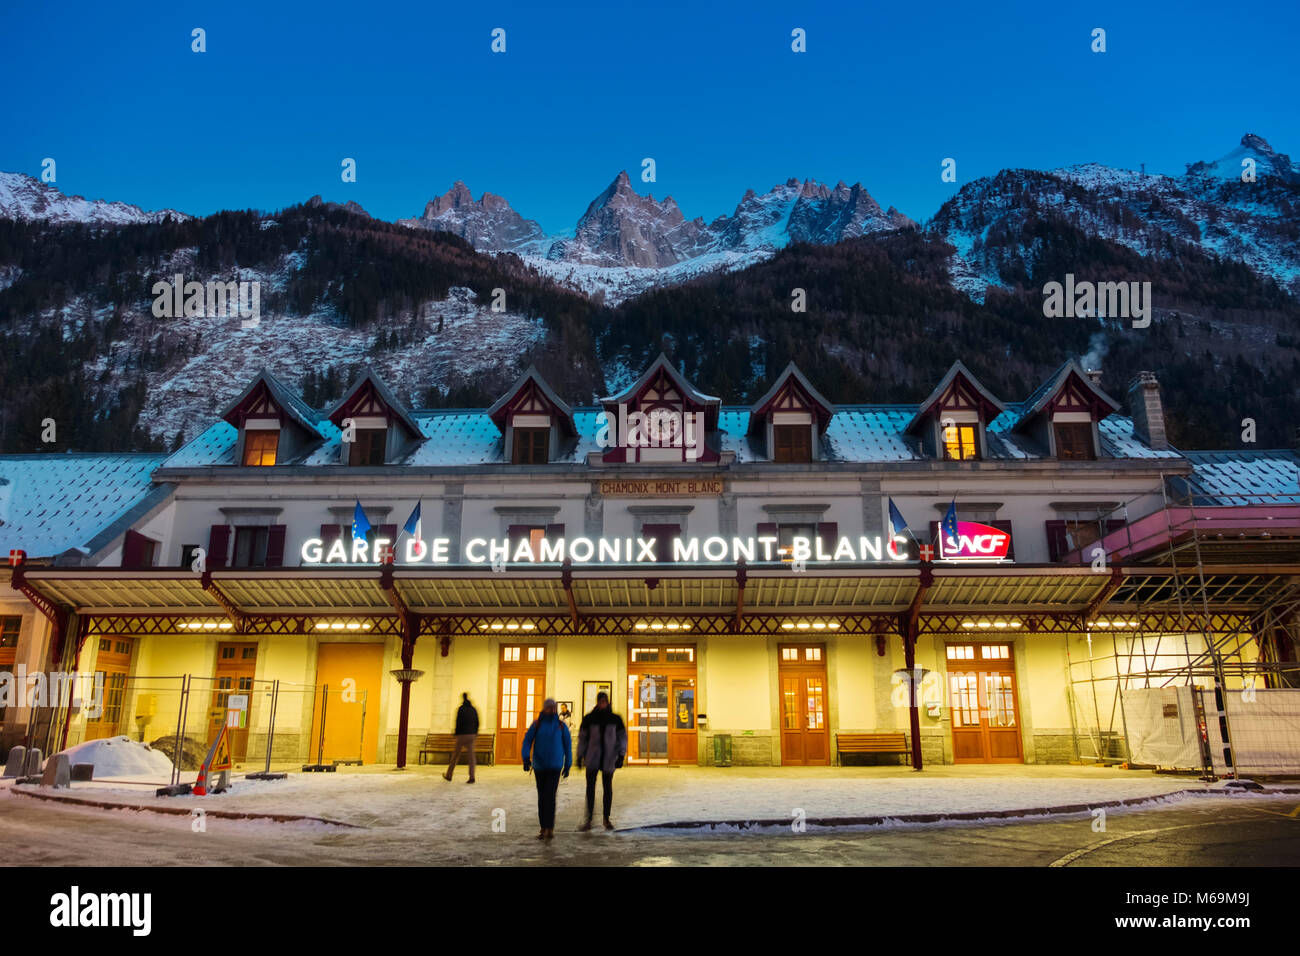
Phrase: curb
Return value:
(961, 817)
(186, 811)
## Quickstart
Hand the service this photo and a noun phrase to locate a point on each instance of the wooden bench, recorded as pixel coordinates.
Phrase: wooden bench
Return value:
(484, 746)
(895, 743)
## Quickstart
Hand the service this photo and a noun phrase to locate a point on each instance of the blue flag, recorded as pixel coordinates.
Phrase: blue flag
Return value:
(950, 520)
(360, 526)
(896, 522)
(412, 526)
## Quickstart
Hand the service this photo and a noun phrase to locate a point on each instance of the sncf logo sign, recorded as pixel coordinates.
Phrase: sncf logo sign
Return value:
(974, 542)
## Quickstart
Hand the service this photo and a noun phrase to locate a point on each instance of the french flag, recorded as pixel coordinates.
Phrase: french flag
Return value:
(415, 528)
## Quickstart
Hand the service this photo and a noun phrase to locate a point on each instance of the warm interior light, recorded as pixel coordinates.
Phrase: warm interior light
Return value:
(833, 624)
(353, 626)
(968, 624)
(999, 623)
(226, 625)
(657, 626)
(322, 625)
(787, 625)
(529, 626)
(482, 627)
(365, 626)
(497, 626)
(209, 625)
(336, 626)
(803, 625)
(819, 625)
(983, 624)
(641, 625)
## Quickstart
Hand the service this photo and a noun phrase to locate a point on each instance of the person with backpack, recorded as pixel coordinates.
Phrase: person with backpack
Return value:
(548, 752)
(466, 737)
(602, 745)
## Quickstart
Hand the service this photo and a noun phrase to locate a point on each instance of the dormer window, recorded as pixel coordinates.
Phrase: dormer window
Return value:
(531, 445)
(792, 443)
(260, 445)
(790, 419)
(951, 423)
(369, 446)
(960, 442)
(1074, 441)
(536, 426)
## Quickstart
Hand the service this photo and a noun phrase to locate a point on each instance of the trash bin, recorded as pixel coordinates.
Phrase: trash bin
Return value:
(722, 750)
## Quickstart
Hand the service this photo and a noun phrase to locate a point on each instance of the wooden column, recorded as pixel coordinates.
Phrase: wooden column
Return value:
(910, 628)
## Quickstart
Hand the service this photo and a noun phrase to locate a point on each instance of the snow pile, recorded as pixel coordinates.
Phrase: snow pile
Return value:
(121, 757)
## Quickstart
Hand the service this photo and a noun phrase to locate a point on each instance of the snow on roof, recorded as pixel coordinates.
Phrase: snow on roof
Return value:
(1246, 477)
(50, 504)
(857, 433)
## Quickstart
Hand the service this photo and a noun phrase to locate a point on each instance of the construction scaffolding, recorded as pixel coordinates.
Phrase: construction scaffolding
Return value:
(1216, 687)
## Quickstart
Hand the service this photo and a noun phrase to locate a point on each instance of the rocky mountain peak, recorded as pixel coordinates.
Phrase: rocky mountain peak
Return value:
(1257, 143)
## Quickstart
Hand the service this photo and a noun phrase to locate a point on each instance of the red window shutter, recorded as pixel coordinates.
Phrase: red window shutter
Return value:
(554, 532)
(218, 545)
(828, 532)
(329, 533)
(275, 545)
(516, 533)
(133, 549)
(664, 535)
(1058, 544)
(1003, 525)
(388, 531)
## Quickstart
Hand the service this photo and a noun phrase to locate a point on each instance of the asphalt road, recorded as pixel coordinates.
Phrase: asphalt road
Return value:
(1198, 832)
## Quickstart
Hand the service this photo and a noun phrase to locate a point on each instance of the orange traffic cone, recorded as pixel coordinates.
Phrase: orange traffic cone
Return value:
(201, 784)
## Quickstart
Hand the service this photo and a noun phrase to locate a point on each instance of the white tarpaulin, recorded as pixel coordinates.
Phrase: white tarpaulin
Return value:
(1161, 723)
(1264, 727)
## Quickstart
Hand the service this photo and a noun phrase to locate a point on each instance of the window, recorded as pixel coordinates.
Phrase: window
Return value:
(645, 654)
(260, 447)
(1074, 441)
(961, 652)
(664, 535)
(9, 630)
(785, 535)
(791, 443)
(537, 653)
(187, 555)
(250, 547)
(510, 653)
(812, 653)
(531, 446)
(959, 443)
(369, 447)
(789, 653)
(994, 652)
(534, 534)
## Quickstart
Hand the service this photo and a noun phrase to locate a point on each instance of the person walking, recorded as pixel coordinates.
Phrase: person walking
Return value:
(548, 752)
(466, 737)
(602, 745)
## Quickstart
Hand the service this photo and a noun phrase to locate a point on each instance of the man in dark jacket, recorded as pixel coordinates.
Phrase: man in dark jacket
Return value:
(548, 752)
(602, 745)
(466, 736)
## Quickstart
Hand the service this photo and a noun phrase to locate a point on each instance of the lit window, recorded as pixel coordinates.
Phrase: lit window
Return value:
(260, 447)
(812, 653)
(1074, 441)
(789, 653)
(510, 653)
(961, 652)
(959, 443)
(9, 631)
(531, 446)
(536, 653)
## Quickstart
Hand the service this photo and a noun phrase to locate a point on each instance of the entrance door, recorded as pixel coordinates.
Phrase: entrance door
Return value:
(236, 665)
(661, 705)
(521, 686)
(113, 659)
(349, 678)
(985, 712)
(805, 740)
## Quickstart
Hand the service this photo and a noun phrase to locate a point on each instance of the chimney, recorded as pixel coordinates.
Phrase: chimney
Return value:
(1148, 414)
(1094, 376)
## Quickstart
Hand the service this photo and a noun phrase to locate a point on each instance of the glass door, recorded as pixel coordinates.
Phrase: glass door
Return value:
(647, 705)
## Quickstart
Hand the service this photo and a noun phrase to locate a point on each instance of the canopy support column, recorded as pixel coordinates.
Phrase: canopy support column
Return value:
(407, 674)
(910, 625)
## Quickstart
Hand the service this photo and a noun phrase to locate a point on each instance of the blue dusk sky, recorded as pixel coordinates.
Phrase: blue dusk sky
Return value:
(712, 92)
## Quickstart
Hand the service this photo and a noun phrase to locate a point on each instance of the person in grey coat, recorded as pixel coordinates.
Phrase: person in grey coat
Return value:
(602, 745)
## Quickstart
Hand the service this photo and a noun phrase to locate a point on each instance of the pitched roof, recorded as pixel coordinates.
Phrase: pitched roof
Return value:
(1268, 476)
(51, 504)
(289, 403)
(662, 364)
(1050, 388)
(957, 370)
(498, 410)
(386, 396)
(825, 409)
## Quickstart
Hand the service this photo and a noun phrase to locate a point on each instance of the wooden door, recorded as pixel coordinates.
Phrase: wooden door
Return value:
(805, 737)
(662, 705)
(521, 688)
(984, 705)
(113, 659)
(236, 665)
(349, 678)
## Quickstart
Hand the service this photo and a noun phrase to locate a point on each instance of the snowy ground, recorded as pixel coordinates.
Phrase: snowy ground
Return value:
(648, 796)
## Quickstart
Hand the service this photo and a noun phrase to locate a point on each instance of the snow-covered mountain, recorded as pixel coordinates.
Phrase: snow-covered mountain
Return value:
(22, 197)
(1255, 222)
(625, 243)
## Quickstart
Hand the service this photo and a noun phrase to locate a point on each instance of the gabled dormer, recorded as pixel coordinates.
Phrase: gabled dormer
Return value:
(1062, 415)
(381, 429)
(790, 419)
(535, 424)
(275, 426)
(660, 418)
(952, 421)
